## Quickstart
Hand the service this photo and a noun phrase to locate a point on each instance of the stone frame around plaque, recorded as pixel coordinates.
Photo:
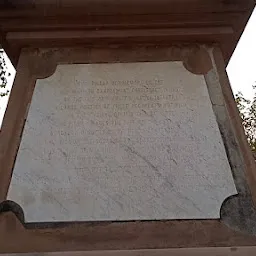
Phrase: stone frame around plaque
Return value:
(237, 225)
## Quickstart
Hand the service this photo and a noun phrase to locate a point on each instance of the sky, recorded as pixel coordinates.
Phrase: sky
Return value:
(4, 100)
(241, 68)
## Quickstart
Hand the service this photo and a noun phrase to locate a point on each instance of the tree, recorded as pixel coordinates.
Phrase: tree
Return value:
(247, 109)
(4, 74)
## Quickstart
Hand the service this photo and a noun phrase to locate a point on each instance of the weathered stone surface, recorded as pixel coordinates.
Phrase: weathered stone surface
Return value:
(121, 142)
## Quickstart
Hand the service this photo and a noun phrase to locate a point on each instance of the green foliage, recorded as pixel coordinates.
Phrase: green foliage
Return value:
(3, 75)
(247, 111)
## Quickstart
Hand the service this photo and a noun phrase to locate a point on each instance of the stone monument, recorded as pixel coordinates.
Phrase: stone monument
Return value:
(122, 133)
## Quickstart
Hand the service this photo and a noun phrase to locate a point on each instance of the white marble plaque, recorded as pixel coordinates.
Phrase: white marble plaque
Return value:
(134, 141)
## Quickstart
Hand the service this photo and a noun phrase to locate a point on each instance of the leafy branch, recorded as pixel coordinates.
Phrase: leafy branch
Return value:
(4, 74)
(247, 109)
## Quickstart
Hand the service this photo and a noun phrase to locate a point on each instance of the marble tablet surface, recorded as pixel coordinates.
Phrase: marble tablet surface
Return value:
(123, 141)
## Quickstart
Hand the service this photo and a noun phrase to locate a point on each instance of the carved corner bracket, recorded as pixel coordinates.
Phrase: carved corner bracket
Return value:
(198, 61)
